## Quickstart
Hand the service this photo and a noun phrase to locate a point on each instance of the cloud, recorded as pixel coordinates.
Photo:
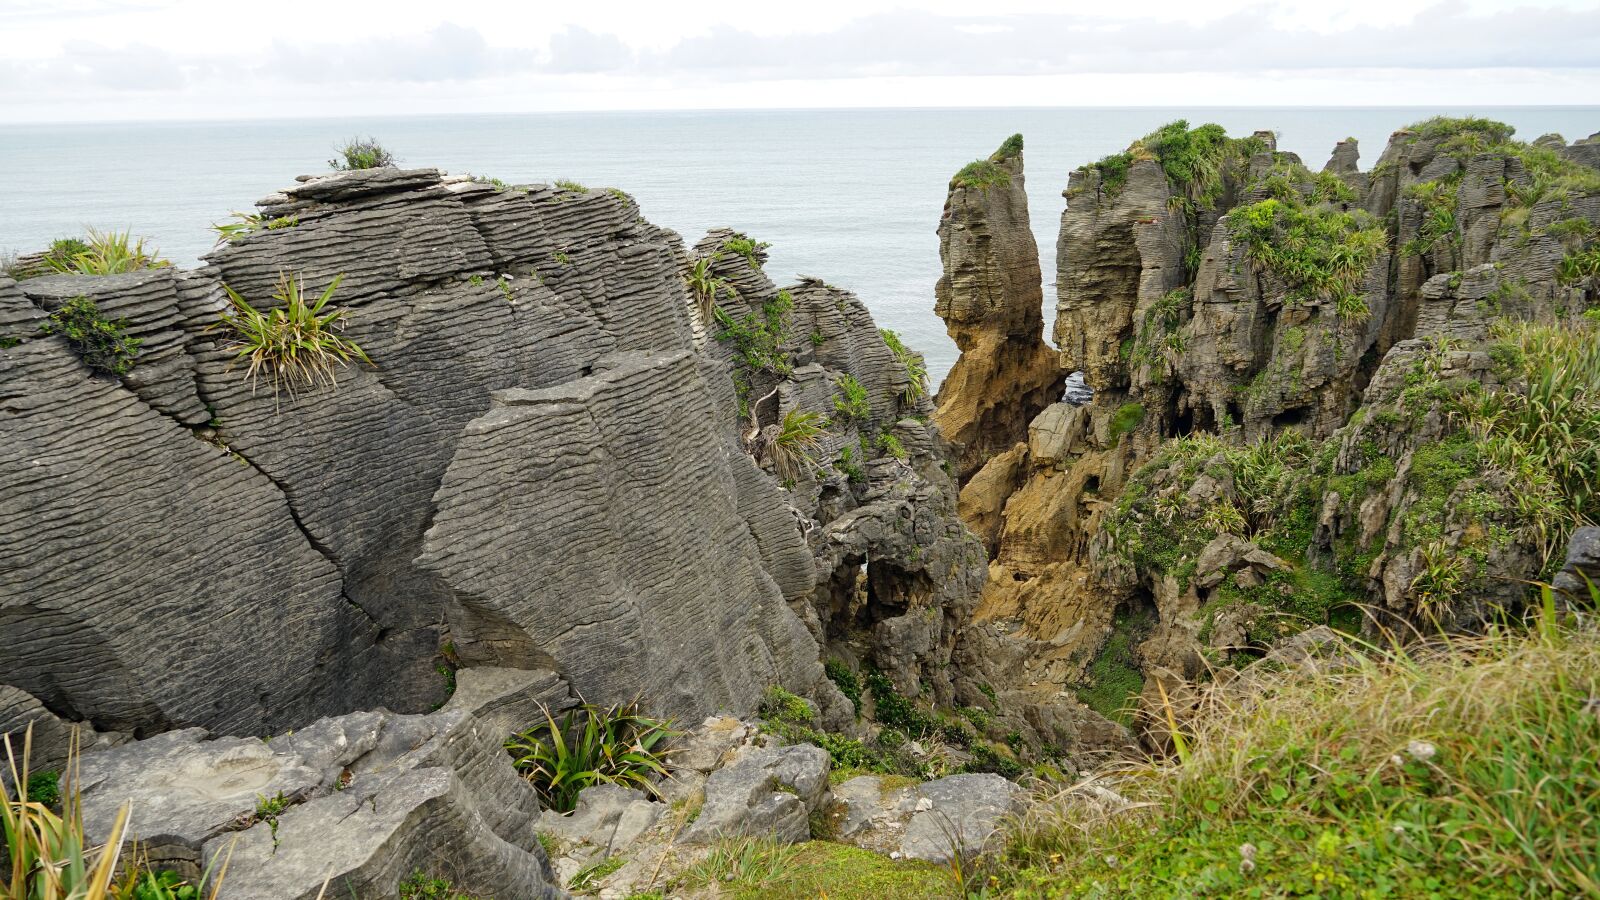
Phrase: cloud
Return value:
(1445, 37)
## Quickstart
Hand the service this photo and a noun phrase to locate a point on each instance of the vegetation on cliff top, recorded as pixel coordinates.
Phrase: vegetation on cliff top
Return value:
(1194, 160)
(1456, 770)
(361, 153)
(104, 253)
(982, 173)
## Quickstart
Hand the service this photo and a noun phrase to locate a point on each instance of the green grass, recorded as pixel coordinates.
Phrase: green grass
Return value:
(1113, 682)
(1459, 772)
(743, 245)
(1194, 160)
(570, 186)
(825, 869)
(102, 344)
(1128, 417)
(420, 886)
(591, 875)
(361, 153)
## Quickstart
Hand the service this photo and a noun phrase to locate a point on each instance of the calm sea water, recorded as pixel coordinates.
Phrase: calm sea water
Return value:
(851, 196)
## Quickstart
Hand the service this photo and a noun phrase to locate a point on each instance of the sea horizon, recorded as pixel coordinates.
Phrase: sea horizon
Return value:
(852, 195)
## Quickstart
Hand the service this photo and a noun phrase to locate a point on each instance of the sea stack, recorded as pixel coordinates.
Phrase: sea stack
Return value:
(991, 300)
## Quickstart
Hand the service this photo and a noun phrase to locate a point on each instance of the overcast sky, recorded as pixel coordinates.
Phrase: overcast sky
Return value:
(81, 60)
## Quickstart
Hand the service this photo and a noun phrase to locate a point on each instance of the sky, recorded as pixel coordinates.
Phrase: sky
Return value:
(99, 60)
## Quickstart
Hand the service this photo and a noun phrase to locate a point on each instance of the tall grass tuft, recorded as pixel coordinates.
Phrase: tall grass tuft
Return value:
(1462, 767)
(1545, 432)
(295, 344)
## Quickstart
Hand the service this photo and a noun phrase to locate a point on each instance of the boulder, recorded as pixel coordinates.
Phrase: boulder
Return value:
(767, 792)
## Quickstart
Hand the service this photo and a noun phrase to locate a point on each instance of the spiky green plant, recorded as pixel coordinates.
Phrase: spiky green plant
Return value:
(105, 253)
(245, 224)
(590, 745)
(47, 854)
(295, 344)
(798, 436)
(705, 285)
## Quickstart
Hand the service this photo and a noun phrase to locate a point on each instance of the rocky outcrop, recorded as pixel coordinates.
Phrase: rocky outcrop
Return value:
(357, 803)
(1219, 296)
(991, 300)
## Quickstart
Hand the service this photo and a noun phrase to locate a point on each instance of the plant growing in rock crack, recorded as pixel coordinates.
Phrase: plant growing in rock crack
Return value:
(743, 245)
(246, 224)
(916, 370)
(268, 809)
(750, 862)
(592, 874)
(590, 745)
(103, 345)
(421, 886)
(704, 286)
(571, 186)
(799, 434)
(361, 153)
(105, 253)
(294, 344)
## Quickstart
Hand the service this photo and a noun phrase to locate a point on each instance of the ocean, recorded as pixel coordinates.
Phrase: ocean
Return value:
(852, 196)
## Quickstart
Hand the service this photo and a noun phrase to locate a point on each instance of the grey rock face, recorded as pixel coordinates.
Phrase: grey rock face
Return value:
(281, 560)
(1583, 563)
(768, 792)
(371, 798)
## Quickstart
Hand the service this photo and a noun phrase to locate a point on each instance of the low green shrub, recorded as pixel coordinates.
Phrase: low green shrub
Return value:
(361, 153)
(916, 370)
(743, 245)
(591, 745)
(103, 345)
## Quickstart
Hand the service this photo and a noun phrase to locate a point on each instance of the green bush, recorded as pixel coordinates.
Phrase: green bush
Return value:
(103, 345)
(45, 787)
(742, 245)
(845, 680)
(590, 745)
(758, 340)
(293, 344)
(361, 153)
(1322, 253)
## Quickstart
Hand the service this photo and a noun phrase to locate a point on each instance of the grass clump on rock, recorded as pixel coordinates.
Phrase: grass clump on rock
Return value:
(295, 343)
(104, 253)
(102, 344)
(361, 153)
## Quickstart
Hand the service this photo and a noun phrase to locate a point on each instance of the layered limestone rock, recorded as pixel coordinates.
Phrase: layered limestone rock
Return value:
(992, 303)
(895, 572)
(545, 467)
